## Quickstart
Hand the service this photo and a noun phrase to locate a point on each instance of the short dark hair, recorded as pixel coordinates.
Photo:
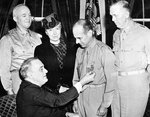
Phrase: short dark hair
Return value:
(25, 67)
(87, 25)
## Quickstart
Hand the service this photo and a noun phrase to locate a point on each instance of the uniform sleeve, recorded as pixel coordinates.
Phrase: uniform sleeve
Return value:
(36, 38)
(5, 62)
(108, 60)
(39, 36)
(147, 45)
(116, 41)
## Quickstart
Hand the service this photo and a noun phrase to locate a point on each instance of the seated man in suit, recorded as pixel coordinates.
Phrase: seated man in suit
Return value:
(34, 101)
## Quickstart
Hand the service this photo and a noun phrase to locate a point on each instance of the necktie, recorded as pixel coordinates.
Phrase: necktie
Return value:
(86, 64)
(122, 38)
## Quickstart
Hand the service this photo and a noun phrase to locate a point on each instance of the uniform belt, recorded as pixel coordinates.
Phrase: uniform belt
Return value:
(96, 85)
(120, 73)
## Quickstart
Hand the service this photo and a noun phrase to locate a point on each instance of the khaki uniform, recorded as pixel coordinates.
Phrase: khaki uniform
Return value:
(98, 58)
(15, 47)
(132, 50)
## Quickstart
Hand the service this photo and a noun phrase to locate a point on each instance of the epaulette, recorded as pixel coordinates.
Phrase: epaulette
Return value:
(39, 35)
(142, 26)
(103, 45)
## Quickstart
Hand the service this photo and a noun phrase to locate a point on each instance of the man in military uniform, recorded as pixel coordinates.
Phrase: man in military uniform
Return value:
(131, 45)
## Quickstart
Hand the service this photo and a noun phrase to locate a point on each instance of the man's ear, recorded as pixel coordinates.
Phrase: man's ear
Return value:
(29, 74)
(127, 14)
(90, 33)
(15, 18)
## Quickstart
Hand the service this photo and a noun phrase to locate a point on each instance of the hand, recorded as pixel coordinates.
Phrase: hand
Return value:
(62, 89)
(84, 87)
(10, 92)
(89, 77)
(102, 111)
(75, 107)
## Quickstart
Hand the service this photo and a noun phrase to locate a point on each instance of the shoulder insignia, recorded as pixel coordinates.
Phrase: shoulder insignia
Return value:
(39, 35)
(103, 45)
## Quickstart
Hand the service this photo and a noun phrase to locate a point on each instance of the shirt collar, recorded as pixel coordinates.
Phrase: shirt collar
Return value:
(129, 26)
(91, 45)
(23, 33)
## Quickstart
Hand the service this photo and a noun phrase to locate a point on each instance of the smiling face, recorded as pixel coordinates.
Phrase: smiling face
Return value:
(37, 72)
(22, 17)
(119, 15)
(54, 33)
(82, 37)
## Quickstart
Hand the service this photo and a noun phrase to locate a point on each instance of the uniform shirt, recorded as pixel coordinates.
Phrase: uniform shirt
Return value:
(98, 58)
(132, 47)
(15, 47)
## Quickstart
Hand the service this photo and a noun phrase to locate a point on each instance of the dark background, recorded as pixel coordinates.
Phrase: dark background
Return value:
(68, 12)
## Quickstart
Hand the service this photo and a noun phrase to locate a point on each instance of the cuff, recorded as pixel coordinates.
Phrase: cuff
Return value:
(78, 86)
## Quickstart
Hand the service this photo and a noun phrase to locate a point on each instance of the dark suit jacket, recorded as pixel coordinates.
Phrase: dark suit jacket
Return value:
(34, 101)
(55, 75)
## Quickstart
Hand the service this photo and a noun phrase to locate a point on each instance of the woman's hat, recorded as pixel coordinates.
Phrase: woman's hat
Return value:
(50, 21)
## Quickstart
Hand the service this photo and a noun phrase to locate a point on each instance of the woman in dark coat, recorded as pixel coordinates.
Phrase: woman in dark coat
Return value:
(58, 57)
